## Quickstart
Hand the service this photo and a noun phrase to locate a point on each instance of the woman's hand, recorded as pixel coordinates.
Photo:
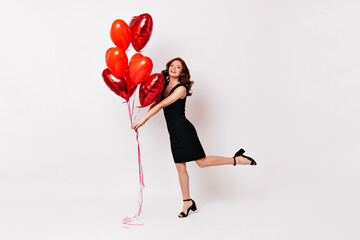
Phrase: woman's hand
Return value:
(138, 123)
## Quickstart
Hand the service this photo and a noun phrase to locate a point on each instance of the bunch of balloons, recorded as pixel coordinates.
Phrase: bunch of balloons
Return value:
(127, 76)
(123, 77)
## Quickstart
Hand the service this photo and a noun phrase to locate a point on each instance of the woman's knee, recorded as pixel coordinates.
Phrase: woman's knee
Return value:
(181, 167)
(201, 162)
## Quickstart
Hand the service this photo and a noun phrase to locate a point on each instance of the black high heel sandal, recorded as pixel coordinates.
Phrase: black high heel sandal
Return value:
(192, 207)
(241, 153)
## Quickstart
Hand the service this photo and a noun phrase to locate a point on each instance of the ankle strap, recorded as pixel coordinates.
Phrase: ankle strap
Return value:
(187, 199)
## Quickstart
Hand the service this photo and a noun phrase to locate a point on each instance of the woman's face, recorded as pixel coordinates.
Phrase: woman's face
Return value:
(175, 69)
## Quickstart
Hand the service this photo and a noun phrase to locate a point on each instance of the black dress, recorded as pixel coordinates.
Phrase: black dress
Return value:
(184, 141)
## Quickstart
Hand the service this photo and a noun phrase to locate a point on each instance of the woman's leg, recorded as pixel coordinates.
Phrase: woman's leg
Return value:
(218, 160)
(184, 184)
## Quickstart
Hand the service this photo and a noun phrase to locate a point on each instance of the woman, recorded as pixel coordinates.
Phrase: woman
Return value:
(185, 144)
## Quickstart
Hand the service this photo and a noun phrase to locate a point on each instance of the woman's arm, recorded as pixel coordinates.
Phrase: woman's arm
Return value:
(179, 92)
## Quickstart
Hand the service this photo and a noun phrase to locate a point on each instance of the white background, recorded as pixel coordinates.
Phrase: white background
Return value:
(277, 78)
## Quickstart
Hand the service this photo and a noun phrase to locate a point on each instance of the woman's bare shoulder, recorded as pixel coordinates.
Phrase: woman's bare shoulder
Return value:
(182, 90)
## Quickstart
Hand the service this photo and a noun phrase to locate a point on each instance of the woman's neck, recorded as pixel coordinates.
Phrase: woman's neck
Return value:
(174, 80)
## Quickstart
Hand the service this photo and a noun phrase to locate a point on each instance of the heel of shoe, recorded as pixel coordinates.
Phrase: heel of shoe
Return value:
(239, 153)
(193, 207)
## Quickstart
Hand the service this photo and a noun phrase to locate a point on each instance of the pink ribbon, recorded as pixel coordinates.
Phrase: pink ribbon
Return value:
(129, 220)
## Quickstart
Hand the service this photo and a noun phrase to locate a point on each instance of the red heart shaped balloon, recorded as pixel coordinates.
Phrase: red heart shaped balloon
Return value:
(140, 68)
(136, 55)
(141, 28)
(150, 89)
(107, 52)
(119, 86)
(117, 61)
(131, 87)
(120, 34)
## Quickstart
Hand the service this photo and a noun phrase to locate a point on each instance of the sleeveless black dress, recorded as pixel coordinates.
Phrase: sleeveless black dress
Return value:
(184, 141)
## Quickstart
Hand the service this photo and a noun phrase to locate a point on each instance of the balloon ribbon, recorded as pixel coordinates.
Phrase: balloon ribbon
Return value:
(129, 220)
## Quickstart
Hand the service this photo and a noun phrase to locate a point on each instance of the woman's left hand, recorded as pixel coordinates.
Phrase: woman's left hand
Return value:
(138, 123)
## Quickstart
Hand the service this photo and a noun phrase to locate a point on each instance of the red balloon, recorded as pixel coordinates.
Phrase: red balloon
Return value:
(150, 89)
(107, 52)
(136, 55)
(119, 86)
(120, 34)
(141, 28)
(131, 87)
(117, 61)
(140, 68)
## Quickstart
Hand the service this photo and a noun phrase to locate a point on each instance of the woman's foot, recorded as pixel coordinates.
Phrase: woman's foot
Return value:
(186, 206)
(242, 161)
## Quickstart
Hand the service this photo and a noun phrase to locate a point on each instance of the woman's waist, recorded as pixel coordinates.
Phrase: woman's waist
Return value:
(174, 112)
(175, 118)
